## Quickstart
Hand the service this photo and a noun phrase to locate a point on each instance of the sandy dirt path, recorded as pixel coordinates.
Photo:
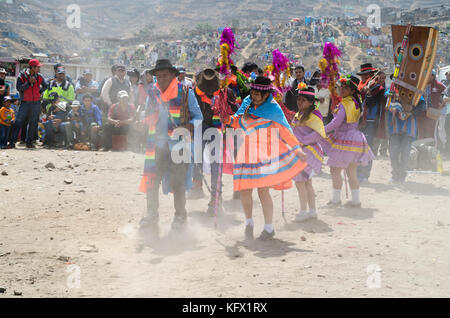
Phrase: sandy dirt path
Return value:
(403, 233)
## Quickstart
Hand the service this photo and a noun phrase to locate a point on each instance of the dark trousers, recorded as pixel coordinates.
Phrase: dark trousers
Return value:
(4, 133)
(54, 135)
(28, 111)
(177, 172)
(399, 151)
(110, 130)
(198, 176)
(369, 131)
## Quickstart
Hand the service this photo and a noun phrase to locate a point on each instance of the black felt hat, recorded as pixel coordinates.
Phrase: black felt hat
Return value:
(164, 64)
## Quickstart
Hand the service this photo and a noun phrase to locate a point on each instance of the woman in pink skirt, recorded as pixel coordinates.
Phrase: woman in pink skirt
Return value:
(346, 146)
(309, 129)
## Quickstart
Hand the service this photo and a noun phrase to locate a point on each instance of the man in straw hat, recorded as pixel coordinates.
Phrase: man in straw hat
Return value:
(170, 106)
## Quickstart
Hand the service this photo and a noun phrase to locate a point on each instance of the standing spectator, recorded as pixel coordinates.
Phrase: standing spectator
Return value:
(146, 81)
(5, 90)
(183, 79)
(86, 85)
(134, 78)
(62, 86)
(120, 118)
(290, 98)
(6, 119)
(30, 85)
(92, 120)
(114, 85)
(55, 69)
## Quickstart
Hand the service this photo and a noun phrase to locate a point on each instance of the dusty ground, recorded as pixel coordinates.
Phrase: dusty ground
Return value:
(44, 223)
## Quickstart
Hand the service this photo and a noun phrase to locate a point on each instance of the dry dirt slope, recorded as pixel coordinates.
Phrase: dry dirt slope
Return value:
(44, 223)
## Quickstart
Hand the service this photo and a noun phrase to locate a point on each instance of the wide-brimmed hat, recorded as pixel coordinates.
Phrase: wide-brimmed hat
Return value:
(75, 103)
(366, 68)
(262, 84)
(6, 98)
(2, 70)
(62, 106)
(208, 81)
(164, 64)
(350, 80)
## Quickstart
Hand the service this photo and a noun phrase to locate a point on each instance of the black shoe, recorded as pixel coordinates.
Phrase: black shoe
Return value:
(31, 146)
(150, 220)
(179, 222)
(334, 204)
(266, 235)
(249, 232)
(212, 209)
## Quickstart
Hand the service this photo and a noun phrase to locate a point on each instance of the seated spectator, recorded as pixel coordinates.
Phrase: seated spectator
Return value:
(54, 134)
(74, 124)
(120, 118)
(53, 99)
(6, 119)
(92, 120)
(86, 85)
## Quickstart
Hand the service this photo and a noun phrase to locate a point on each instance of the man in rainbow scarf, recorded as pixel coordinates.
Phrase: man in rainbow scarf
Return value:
(170, 105)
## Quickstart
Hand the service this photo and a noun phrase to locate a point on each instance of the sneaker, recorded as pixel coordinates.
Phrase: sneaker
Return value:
(249, 232)
(312, 215)
(350, 204)
(364, 180)
(266, 235)
(179, 222)
(195, 193)
(150, 220)
(302, 216)
(334, 204)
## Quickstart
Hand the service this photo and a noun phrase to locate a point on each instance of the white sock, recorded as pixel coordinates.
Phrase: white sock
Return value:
(336, 195)
(355, 197)
(249, 222)
(302, 212)
(268, 228)
(312, 211)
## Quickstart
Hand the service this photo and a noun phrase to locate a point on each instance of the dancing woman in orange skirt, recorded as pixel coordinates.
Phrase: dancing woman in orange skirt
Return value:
(270, 155)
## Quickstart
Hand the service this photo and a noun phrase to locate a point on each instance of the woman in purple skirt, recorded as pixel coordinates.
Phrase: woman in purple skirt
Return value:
(309, 130)
(346, 146)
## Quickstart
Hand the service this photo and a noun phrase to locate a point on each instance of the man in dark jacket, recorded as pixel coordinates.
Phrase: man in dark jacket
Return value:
(290, 98)
(30, 85)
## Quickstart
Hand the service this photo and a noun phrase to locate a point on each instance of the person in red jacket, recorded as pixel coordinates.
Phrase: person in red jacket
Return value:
(30, 85)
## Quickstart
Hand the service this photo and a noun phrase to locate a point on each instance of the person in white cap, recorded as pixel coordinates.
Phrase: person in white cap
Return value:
(74, 124)
(54, 134)
(120, 118)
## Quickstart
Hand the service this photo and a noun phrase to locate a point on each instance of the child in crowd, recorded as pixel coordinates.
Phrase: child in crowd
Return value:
(309, 129)
(92, 116)
(74, 124)
(6, 119)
